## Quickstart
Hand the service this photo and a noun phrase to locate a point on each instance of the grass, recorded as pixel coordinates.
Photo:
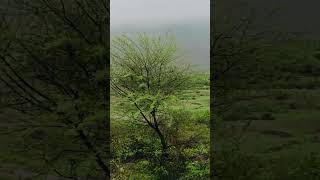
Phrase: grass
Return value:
(282, 142)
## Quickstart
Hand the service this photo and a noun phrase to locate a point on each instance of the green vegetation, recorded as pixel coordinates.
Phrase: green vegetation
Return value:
(54, 89)
(265, 122)
(160, 112)
(274, 136)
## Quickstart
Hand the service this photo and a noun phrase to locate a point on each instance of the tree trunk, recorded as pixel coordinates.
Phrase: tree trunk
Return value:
(163, 141)
(164, 145)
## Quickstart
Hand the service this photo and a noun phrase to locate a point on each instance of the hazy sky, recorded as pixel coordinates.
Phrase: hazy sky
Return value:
(188, 20)
(158, 11)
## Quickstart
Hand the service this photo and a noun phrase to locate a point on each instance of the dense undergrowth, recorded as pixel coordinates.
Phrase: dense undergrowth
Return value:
(136, 149)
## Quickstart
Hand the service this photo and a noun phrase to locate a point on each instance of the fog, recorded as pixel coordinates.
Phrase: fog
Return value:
(287, 15)
(158, 11)
(188, 20)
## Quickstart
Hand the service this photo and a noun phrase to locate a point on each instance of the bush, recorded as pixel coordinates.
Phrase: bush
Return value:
(137, 153)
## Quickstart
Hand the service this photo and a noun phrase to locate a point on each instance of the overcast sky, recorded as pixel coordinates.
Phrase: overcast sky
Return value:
(188, 20)
(158, 11)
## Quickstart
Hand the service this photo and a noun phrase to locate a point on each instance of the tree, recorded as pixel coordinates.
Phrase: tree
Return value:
(145, 73)
(55, 70)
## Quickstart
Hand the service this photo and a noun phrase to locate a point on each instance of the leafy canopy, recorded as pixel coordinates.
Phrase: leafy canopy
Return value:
(145, 69)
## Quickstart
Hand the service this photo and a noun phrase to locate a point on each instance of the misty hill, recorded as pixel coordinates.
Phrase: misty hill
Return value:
(193, 39)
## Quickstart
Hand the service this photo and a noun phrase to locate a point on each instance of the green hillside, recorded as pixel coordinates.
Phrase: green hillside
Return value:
(276, 135)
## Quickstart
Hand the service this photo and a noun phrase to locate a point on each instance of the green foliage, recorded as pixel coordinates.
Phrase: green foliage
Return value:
(146, 65)
(149, 82)
(288, 95)
(54, 71)
(200, 80)
(138, 152)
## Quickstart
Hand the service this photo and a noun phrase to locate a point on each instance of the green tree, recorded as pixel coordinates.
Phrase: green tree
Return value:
(144, 71)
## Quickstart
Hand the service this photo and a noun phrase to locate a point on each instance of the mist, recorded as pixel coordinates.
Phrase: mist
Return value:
(186, 19)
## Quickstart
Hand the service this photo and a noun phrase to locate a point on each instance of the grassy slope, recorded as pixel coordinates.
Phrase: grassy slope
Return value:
(291, 131)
